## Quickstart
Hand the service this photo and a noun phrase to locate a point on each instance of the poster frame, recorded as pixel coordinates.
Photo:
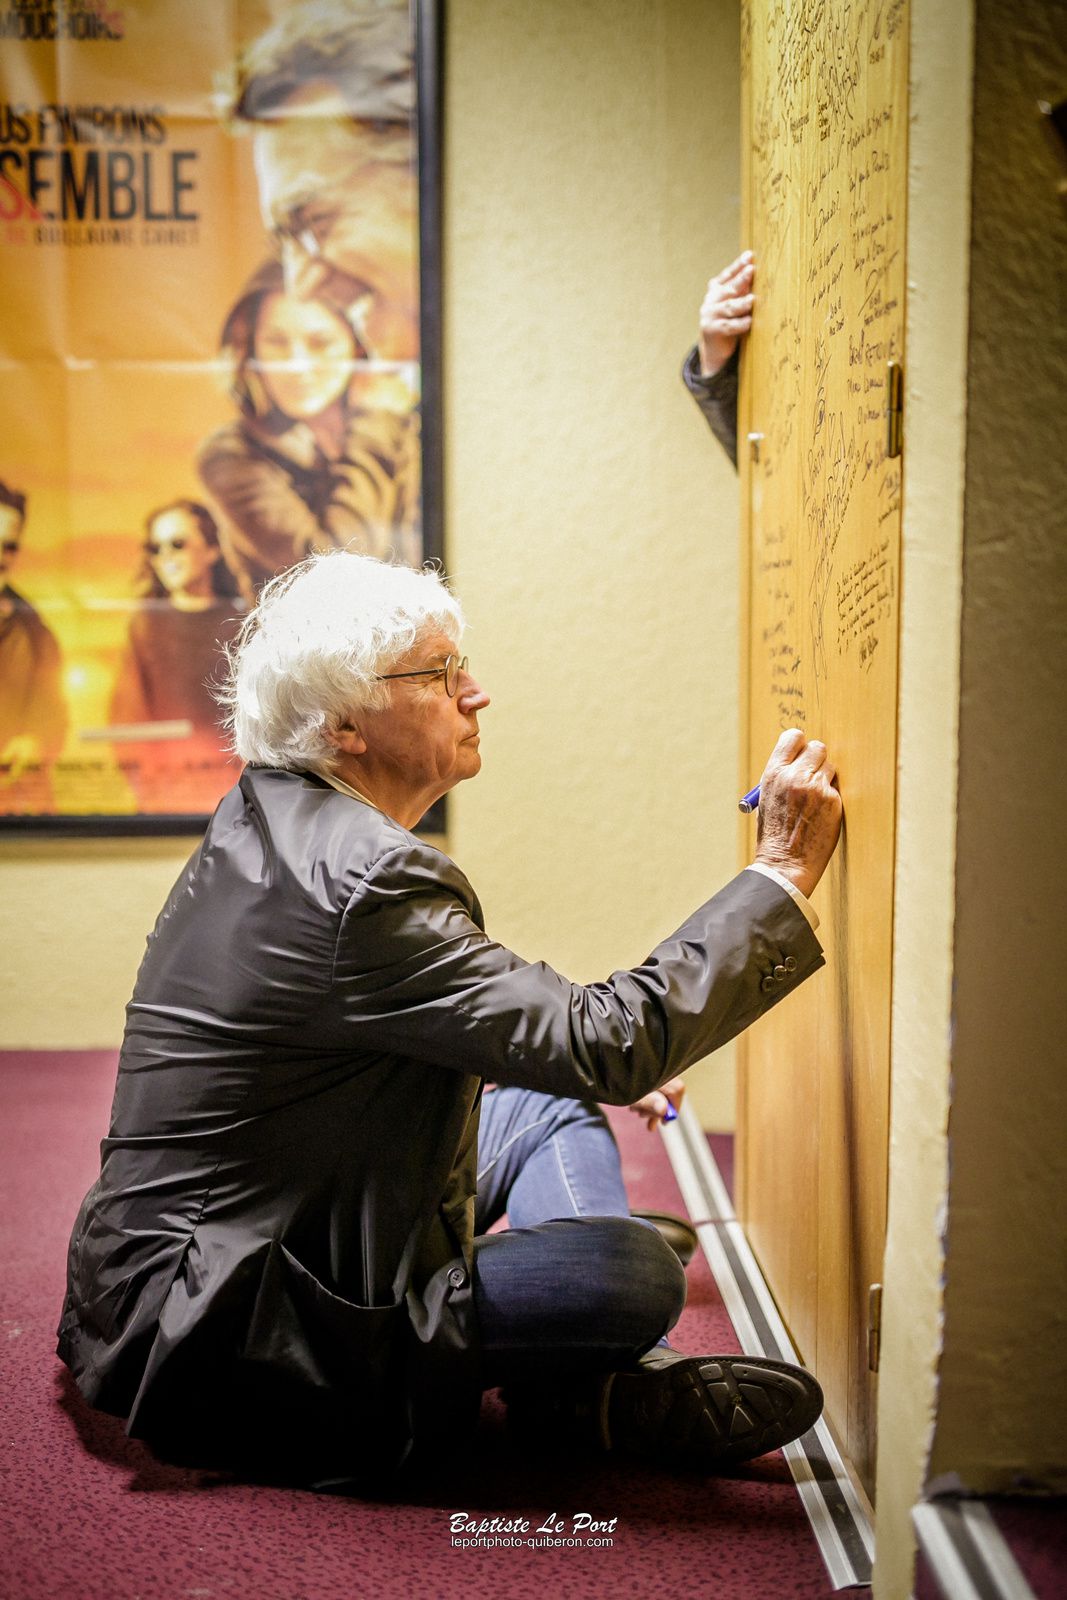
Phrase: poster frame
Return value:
(426, 18)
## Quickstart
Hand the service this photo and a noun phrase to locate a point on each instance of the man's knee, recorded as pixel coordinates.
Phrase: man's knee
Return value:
(645, 1267)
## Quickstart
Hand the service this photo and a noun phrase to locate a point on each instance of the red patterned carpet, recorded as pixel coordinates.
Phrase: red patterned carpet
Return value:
(85, 1514)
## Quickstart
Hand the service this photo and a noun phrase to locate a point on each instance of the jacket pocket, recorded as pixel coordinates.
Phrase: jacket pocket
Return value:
(305, 1333)
(319, 1388)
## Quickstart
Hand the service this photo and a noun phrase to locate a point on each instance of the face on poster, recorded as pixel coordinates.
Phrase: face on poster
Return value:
(212, 348)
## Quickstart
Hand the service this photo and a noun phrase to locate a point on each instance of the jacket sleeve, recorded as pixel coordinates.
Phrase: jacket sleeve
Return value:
(717, 399)
(416, 976)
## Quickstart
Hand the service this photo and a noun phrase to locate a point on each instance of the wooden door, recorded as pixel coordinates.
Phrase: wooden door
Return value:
(825, 111)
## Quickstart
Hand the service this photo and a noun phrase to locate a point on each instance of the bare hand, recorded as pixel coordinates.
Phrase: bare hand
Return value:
(799, 810)
(726, 314)
(653, 1106)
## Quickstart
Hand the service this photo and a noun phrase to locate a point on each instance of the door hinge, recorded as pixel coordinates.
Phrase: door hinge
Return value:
(754, 442)
(874, 1326)
(894, 408)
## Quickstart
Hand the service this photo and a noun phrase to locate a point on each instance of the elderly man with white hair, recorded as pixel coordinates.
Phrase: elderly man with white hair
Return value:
(284, 1264)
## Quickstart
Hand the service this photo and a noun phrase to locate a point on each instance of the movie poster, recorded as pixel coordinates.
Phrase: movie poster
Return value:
(214, 349)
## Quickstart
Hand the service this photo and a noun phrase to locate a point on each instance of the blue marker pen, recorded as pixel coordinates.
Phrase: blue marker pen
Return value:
(749, 801)
(670, 1115)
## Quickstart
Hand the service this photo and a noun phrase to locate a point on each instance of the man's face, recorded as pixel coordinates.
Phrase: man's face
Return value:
(340, 197)
(425, 739)
(10, 540)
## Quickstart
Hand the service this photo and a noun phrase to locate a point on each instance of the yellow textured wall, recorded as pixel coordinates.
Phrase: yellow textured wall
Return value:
(74, 915)
(1006, 1293)
(972, 1385)
(590, 189)
(939, 194)
(592, 166)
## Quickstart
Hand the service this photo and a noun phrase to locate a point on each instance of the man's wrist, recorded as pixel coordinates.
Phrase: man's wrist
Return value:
(707, 365)
(798, 876)
(715, 383)
(787, 879)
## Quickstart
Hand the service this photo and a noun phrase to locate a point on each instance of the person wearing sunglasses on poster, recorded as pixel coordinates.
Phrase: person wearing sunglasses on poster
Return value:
(186, 613)
(285, 1265)
(33, 712)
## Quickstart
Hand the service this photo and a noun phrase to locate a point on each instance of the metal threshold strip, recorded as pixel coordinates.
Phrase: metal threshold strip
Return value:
(966, 1552)
(837, 1507)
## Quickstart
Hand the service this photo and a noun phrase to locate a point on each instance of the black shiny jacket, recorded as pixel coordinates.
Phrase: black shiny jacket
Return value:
(273, 1268)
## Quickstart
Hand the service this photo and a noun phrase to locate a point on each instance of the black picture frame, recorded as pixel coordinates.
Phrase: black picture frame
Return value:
(427, 22)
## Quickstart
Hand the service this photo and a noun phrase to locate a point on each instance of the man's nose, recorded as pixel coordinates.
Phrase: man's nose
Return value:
(472, 697)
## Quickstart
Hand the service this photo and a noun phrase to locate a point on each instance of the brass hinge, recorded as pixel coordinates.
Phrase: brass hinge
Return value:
(894, 408)
(874, 1326)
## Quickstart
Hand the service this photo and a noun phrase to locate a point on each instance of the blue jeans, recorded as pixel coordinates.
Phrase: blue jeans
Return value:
(574, 1284)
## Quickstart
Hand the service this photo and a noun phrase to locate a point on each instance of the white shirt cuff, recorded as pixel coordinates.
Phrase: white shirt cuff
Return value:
(790, 888)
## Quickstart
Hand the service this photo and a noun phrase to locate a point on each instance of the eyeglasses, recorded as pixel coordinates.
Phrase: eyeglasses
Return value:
(152, 550)
(450, 672)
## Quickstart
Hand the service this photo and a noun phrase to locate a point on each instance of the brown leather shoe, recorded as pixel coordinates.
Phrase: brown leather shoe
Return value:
(706, 1413)
(675, 1231)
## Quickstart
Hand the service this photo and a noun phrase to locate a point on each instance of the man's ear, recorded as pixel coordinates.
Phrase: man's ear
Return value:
(348, 739)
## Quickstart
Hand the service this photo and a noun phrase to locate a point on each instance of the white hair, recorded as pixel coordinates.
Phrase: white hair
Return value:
(308, 656)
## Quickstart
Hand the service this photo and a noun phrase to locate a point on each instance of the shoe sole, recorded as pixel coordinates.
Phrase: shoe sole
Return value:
(706, 1413)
